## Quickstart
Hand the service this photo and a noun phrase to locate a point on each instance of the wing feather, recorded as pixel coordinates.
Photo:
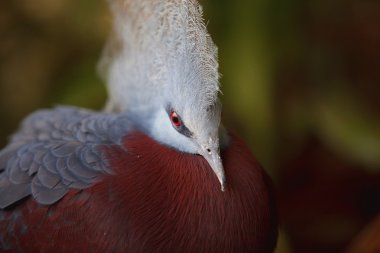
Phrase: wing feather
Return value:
(55, 151)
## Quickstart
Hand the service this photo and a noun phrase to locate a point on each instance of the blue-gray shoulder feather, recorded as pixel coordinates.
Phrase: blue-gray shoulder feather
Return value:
(57, 150)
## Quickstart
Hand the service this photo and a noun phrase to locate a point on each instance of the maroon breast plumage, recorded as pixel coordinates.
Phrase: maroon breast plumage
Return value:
(156, 200)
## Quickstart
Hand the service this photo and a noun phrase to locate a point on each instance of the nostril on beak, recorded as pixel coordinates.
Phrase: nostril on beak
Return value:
(208, 151)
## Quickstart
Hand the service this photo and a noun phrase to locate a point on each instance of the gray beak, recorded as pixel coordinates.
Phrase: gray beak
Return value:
(213, 158)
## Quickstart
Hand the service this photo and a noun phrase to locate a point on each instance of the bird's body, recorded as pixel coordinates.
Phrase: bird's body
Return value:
(173, 206)
(156, 172)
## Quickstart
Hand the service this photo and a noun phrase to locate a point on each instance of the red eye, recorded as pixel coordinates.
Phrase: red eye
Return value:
(175, 119)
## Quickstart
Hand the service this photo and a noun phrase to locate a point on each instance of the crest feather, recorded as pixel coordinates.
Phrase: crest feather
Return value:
(159, 46)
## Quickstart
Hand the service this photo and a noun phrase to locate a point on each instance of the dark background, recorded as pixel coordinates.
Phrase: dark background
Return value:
(301, 84)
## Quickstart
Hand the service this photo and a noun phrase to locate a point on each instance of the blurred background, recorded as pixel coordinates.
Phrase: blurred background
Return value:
(301, 84)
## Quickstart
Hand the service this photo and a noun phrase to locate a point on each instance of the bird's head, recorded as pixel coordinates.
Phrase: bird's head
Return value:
(163, 72)
(190, 128)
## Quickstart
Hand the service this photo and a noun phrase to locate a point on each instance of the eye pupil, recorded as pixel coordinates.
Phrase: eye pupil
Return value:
(175, 119)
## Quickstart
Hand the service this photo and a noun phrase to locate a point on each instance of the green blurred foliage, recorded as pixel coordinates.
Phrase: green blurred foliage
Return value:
(48, 55)
(299, 79)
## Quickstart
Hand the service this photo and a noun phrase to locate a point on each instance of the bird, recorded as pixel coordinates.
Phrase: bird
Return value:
(156, 170)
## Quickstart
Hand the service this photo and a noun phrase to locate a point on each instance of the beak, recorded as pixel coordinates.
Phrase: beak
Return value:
(213, 158)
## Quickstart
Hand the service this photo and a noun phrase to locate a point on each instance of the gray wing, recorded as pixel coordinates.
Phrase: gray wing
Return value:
(55, 150)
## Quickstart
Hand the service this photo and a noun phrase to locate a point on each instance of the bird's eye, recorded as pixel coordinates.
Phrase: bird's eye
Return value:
(175, 120)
